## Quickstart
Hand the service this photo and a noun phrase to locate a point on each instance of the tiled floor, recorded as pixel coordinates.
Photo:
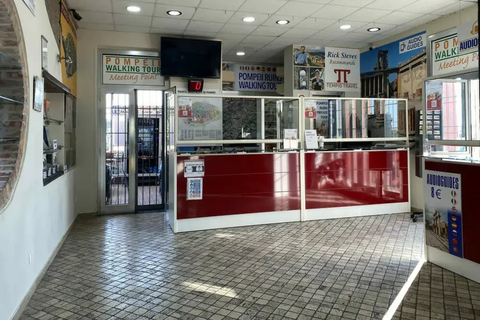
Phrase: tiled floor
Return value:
(437, 293)
(134, 267)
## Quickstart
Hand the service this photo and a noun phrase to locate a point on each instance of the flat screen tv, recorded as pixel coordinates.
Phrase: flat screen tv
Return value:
(190, 58)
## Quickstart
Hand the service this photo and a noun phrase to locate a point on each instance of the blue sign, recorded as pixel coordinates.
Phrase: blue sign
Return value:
(455, 243)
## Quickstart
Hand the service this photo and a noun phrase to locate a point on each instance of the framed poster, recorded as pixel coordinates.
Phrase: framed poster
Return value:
(31, 4)
(194, 188)
(38, 94)
(44, 53)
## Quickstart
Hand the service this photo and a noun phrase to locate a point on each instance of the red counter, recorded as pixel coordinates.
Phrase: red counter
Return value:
(249, 189)
(242, 183)
(353, 178)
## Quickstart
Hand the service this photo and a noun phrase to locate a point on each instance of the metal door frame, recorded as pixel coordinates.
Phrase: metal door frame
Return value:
(102, 90)
(130, 207)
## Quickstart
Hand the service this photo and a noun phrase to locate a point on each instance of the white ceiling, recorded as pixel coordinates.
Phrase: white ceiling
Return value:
(314, 22)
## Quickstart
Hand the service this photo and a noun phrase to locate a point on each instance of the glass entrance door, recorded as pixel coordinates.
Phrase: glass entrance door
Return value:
(149, 147)
(117, 132)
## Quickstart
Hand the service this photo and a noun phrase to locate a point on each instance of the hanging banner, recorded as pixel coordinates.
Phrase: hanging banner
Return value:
(128, 70)
(443, 211)
(447, 58)
(68, 49)
(256, 78)
(468, 37)
(342, 69)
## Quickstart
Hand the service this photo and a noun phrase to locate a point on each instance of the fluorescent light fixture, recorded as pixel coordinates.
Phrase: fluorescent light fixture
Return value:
(373, 29)
(345, 26)
(283, 22)
(458, 78)
(174, 13)
(133, 9)
(248, 19)
(240, 53)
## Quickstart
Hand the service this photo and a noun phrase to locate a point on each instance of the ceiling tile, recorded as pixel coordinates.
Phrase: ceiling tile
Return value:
(95, 26)
(300, 32)
(452, 8)
(398, 18)
(299, 9)
(132, 20)
(334, 12)
(161, 11)
(426, 6)
(272, 21)
(238, 16)
(268, 31)
(90, 5)
(230, 37)
(170, 32)
(204, 26)
(354, 26)
(262, 6)
(286, 41)
(422, 20)
(312, 1)
(132, 29)
(169, 23)
(96, 17)
(237, 28)
(315, 23)
(327, 35)
(212, 15)
(258, 39)
(366, 15)
(185, 3)
(200, 34)
(121, 7)
(221, 4)
(389, 4)
(352, 3)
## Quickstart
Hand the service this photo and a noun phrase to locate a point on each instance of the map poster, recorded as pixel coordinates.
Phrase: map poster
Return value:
(203, 121)
(443, 211)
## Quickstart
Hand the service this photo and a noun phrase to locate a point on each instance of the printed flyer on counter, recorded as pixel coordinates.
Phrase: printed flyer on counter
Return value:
(203, 120)
(443, 211)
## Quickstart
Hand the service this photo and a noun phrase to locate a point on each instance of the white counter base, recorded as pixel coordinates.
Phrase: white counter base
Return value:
(356, 211)
(237, 220)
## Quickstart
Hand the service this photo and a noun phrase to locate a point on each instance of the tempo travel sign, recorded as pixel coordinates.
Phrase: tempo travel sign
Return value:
(132, 70)
(342, 69)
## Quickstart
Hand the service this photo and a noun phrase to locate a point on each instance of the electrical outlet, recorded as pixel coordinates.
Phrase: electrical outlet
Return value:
(30, 258)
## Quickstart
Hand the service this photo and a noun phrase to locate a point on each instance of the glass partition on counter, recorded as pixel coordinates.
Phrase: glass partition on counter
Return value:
(451, 125)
(211, 124)
(358, 123)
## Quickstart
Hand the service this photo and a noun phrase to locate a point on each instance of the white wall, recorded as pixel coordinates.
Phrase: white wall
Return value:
(89, 43)
(37, 217)
(436, 26)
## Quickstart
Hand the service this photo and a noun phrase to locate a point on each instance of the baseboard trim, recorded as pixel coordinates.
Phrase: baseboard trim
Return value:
(21, 308)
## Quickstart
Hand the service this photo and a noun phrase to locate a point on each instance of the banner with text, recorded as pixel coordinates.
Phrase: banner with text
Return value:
(342, 69)
(256, 78)
(468, 37)
(132, 70)
(448, 58)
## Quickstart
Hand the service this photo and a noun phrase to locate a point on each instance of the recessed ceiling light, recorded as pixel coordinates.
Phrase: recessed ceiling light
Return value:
(133, 9)
(248, 19)
(240, 53)
(174, 13)
(345, 26)
(283, 22)
(373, 29)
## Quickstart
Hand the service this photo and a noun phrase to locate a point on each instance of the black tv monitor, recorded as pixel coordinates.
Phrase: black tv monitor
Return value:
(190, 58)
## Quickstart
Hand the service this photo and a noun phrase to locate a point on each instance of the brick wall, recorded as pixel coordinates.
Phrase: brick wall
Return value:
(14, 85)
(53, 10)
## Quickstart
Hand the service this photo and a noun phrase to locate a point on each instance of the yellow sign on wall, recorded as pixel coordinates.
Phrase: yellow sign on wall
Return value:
(68, 50)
